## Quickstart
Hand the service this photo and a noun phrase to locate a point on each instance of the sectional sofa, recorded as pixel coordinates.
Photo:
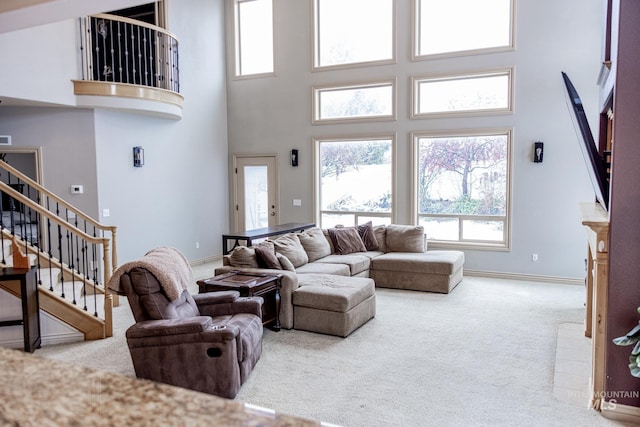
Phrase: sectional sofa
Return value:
(330, 275)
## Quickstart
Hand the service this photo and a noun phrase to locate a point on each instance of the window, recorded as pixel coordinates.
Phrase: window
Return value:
(462, 26)
(253, 29)
(462, 184)
(354, 181)
(483, 93)
(353, 32)
(373, 101)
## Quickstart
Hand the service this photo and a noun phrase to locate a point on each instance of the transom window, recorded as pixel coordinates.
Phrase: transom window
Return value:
(353, 32)
(462, 187)
(253, 31)
(481, 93)
(462, 26)
(354, 180)
(372, 101)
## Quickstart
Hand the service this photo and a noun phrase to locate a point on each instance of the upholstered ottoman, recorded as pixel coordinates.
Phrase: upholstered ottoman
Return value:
(333, 305)
(430, 271)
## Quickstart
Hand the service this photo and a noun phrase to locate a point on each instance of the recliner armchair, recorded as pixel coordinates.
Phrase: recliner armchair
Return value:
(205, 342)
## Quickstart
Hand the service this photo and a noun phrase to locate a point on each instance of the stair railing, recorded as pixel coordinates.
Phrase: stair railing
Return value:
(61, 236)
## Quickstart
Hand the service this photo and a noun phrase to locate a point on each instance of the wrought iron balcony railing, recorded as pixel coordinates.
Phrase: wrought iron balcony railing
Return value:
(121, 50)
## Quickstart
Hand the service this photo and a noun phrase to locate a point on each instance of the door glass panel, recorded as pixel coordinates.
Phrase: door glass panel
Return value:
(256, 197)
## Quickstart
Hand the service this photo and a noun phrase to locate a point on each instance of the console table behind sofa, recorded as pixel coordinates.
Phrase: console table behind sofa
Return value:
(259, 233)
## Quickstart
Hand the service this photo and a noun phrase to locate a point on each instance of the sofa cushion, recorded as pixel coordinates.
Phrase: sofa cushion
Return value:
(332, 293)
(346, 240)
(430, 262)
(285, 263)
(380, 231)
(266, 256)
(243, 256)
(289, 246)
(405, 238)
(325, 268)
(315, 244)
(368, 236)
(357, 262)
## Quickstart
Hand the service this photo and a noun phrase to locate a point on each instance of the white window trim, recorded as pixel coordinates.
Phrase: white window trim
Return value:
(315, 52)
(366, 137)
(316, 90)
(415, 97)
(236, 48)
(472, 245)
(415, 46)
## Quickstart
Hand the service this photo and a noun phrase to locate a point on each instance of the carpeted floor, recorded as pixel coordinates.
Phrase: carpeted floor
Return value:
(483, 355)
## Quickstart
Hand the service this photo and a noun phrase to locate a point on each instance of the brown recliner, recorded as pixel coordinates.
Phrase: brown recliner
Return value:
(205, 342)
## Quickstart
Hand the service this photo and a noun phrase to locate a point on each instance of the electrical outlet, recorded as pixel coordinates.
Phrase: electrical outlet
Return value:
(534, 257)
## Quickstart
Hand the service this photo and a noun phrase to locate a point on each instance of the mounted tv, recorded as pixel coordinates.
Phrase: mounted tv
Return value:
(595, 163)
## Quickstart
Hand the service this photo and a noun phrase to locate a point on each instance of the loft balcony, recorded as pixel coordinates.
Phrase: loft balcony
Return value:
(128, 65)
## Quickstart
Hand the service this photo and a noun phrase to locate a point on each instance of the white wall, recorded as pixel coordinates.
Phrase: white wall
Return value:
(273, 114)
(38, 64)
(180, 196)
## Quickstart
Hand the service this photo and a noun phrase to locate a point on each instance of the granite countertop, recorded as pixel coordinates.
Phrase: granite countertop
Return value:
(43, 392)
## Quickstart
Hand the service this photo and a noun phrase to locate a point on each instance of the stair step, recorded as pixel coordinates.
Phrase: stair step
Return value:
(49, 276)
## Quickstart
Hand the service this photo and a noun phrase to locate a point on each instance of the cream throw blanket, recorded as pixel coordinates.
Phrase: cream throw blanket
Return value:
(167, 264)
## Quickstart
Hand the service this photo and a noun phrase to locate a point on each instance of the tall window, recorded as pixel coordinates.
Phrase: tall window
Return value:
(354, 181)
(462, 186)
(371, 101)
(253, 28)
(353, 32)
(462, 26)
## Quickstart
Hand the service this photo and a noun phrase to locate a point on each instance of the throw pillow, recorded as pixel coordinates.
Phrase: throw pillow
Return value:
(380, 232)
(368, 237)
(243, 256)
(405, 238)
(266, 256)
(314, 243)
(285, 263)
(289, 246)
(346, 240)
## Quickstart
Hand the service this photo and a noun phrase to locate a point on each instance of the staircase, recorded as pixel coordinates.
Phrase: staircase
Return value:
(74, 254)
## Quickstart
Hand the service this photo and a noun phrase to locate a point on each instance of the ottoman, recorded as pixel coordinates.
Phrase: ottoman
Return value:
(333, 305)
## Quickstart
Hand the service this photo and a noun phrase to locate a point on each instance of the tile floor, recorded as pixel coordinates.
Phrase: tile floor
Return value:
(572, 376)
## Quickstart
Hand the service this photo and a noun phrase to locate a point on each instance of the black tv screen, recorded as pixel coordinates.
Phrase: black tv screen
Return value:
(595, 164)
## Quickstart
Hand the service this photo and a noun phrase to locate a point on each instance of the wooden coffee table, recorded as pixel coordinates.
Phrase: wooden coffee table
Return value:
(262, 285)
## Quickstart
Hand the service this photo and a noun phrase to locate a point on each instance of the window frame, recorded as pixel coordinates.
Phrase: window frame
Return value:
(316, 102)
(505, 244)
(315, 42)
(317, 206)
(415, 93)
(415, 38)
(237, 43)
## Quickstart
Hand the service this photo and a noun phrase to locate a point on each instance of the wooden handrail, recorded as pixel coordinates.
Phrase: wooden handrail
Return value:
(19, 196)
(135, 22)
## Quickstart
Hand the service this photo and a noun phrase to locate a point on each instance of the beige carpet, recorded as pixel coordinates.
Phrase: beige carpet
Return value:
(483, 355)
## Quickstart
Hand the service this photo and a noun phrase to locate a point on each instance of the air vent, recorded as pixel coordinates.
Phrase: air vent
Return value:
(5, 139)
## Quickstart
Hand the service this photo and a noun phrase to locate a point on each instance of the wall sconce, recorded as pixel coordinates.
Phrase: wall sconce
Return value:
(294, 157)
(538, 152)
(138, 157)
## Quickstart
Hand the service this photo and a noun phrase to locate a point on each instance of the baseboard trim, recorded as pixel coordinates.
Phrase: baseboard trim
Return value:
(212, 258)
(525, 277)
(620, 412)
(49, 339)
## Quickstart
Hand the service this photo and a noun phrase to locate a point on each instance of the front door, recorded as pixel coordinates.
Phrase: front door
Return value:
(256, 192)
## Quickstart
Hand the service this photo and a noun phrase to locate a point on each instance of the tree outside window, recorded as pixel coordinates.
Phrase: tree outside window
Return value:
(355, 182)
(462, 186)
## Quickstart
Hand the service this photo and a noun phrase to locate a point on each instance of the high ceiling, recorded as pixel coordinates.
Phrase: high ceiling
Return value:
(19, 14)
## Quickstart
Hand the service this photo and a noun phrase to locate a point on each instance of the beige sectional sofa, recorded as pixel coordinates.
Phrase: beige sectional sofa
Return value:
(330, 275)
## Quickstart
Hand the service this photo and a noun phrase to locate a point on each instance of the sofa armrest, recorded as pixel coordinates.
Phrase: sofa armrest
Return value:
(219, 297)
(166, 327)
